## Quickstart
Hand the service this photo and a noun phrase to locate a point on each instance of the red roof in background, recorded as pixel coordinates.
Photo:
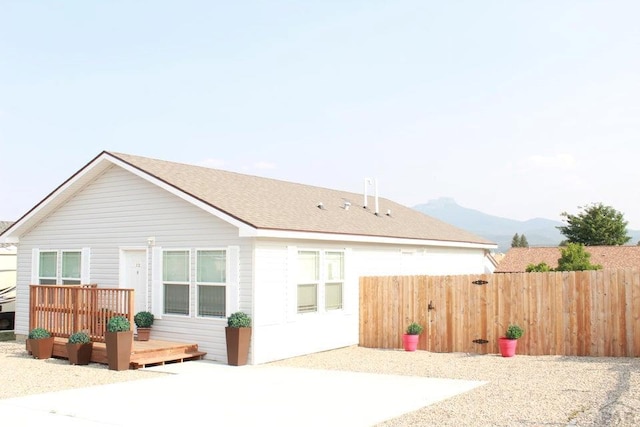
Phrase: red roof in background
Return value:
(517, 259)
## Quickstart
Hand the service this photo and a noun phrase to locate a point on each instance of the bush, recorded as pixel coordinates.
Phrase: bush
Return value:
(118, 324)
(514, 332)
(39, 333)
(239, 320)
(79, 338)
(414, 329)
(143, 319)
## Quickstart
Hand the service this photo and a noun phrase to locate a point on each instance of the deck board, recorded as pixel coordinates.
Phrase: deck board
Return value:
(143, 353)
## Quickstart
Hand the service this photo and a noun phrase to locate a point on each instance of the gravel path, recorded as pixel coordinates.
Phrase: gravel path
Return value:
(521, 391)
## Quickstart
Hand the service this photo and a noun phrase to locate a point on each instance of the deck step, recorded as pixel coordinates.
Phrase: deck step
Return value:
(161, 359)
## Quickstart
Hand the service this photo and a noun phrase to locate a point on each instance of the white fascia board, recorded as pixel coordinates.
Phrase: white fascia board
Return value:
(305, 235)
(243, 227)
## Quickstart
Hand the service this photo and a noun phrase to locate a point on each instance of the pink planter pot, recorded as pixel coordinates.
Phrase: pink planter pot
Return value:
(507, 347)
(410, 342)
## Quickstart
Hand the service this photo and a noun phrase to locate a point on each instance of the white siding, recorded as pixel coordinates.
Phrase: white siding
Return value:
(277, 334)
(119, 210)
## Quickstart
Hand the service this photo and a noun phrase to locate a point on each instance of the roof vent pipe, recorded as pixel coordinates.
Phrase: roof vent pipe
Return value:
(367, 182)
(375, 187)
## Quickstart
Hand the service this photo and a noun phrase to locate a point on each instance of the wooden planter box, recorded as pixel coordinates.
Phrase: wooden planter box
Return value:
(143, 334)
(41, 348)
(238, 340)
(79, 354)
(119, 346)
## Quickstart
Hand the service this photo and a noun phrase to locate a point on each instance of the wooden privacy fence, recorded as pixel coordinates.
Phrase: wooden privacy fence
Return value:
(583, 313)
(65, 309)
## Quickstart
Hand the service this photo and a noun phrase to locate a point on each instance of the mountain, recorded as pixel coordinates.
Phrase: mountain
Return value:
(538, 231)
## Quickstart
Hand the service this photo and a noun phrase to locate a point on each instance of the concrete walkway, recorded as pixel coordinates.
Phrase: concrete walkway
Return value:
(213, 394)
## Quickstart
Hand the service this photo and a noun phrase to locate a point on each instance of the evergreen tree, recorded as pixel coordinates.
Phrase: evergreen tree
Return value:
(515, 242)
(523, 241)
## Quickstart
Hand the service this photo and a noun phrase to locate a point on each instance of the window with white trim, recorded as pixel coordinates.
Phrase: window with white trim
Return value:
(308, 280)
(67, 272)
(176, 279)
(320, 281)
(48, 268)
(211, 282)
(71, 267)
(334, 280)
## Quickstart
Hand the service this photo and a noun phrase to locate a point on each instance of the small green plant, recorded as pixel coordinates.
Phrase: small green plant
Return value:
(79, 338)
(414, 329)
(118, 324)
(143, 319)
(38, 333)
(514, 332)
(239, 320)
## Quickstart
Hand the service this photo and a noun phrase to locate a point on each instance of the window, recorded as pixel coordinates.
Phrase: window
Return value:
(211, 283)
(48, 268)
(308, 278)
(176, 280)
(320, 281)
(334, 264)
(208, 289)
(71, 262)
(67, 273)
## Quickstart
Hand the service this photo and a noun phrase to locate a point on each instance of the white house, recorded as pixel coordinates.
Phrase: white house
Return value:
(198, 244)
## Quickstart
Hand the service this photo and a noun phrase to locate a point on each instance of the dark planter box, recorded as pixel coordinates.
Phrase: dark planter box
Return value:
(79, 354)
(119, 346)
(238, 340)
(41, 348)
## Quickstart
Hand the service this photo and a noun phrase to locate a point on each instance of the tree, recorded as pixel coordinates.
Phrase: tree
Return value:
(519, 241)
(523, 241)
(575, 258)
(541, 268)
(597, 225)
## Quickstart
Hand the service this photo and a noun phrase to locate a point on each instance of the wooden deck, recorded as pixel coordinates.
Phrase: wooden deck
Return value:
(144, 353)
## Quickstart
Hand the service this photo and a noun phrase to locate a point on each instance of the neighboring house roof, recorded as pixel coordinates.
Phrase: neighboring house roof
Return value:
(517, 259)
(258, 203)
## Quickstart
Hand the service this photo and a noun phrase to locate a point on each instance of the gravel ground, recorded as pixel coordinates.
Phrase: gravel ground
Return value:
(521, 391)
(22, 375)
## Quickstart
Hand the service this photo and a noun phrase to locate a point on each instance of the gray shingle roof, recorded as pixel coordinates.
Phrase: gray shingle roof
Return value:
(279, 205)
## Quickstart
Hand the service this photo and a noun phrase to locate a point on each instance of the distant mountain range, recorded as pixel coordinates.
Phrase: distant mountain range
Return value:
(538, 231)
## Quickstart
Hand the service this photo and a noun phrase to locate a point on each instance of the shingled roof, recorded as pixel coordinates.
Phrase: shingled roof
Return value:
(517, 259)
(273, 204)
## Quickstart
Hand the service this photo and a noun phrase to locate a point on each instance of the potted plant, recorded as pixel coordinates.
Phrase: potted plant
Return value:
(509, 342)
(238, 334)
(411, 336)
(40, 343)
(79, 348)
(143, 321)
(119, 342)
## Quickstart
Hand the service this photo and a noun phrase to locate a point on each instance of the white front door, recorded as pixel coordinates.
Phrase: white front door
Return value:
(135, 276)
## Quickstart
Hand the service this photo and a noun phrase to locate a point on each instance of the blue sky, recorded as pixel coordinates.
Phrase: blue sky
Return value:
(520, 109)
